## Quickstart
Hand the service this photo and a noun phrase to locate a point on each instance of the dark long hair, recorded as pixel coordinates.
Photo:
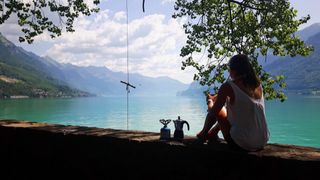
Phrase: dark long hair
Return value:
(244, 70)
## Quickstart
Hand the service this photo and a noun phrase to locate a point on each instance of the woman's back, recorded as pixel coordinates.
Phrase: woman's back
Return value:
(247, 118)
(253, 92)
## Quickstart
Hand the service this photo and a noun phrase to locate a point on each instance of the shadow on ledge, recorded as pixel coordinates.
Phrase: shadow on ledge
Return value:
(48, 151)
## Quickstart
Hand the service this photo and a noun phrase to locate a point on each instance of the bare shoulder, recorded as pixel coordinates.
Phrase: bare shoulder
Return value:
(258, 92)
(226, 90)
(226, 86)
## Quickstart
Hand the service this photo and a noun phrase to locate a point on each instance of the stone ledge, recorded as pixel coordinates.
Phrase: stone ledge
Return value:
(50, 145)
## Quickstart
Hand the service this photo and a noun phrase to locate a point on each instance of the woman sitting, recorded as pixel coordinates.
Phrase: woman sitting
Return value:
(243, 121)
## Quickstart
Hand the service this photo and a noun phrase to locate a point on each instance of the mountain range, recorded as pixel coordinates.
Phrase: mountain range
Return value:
(24, 73)
(302, 74)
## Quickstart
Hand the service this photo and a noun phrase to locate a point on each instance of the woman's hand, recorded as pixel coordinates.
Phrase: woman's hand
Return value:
(211, 100)
(213, 97)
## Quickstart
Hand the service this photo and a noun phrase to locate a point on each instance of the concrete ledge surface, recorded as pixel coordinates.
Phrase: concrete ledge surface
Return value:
(35, 150)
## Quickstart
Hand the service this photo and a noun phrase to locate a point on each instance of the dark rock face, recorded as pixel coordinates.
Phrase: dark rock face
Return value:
(37, 150)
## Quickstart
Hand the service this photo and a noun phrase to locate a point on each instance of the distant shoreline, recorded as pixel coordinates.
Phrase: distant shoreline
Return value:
(43, 97)
(304, 92)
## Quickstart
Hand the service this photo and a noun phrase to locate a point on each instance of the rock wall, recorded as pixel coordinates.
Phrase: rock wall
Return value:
(47, 151)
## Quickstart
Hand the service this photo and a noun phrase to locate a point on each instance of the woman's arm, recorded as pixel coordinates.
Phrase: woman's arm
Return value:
(224, 92)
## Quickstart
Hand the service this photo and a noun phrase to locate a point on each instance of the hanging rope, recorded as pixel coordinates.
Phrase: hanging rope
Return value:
(128, 85)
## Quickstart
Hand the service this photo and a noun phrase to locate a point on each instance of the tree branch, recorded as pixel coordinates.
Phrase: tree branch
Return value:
(143, 2)
(245, 5)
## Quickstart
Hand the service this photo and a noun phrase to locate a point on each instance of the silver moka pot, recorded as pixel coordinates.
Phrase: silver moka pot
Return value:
(178, 124)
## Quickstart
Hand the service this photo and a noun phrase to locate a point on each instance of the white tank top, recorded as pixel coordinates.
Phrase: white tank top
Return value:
(247, 117)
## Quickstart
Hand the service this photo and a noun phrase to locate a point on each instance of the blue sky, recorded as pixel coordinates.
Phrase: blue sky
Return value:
(155, 38)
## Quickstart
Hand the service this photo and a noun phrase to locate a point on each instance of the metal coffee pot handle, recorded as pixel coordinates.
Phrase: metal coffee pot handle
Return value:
(185, 122)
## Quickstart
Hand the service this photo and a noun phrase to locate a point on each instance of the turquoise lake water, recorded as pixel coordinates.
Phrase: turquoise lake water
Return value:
(296, 121)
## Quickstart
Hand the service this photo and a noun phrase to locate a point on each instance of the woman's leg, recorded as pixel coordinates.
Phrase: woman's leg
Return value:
(213, 133)
(225, 128)
(224, 125)
(209, 122)
(222, 121)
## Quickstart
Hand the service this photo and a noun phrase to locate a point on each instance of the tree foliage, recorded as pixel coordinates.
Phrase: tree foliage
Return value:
(222, 28)
(35, 16)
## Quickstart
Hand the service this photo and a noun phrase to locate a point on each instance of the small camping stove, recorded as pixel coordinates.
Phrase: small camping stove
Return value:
(165, 131)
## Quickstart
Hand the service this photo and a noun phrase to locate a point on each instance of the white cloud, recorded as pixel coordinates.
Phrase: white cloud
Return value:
(100, 40)
(167, 1)
(121, 15)
(154, 45)
(11, 30)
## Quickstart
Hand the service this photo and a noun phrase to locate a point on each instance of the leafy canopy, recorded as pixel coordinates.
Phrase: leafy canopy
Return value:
(222, 28)
(35, 16)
